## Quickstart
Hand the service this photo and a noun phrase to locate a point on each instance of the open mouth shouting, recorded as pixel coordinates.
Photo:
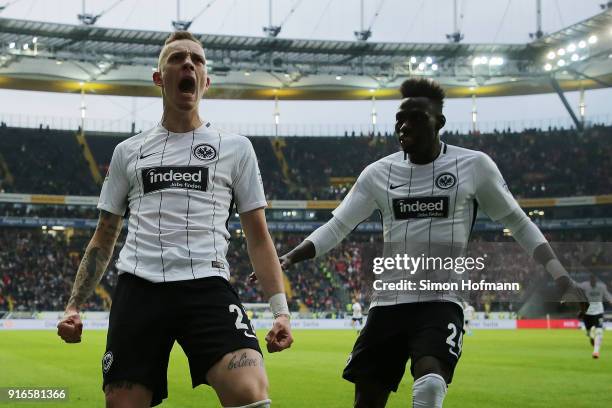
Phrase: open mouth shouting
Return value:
(187, 86)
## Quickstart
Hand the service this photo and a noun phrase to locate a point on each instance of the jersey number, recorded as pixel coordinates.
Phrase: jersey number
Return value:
(451, 342)
(239, 324)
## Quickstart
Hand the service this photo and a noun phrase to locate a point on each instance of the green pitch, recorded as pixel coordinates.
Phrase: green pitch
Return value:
(527, 368)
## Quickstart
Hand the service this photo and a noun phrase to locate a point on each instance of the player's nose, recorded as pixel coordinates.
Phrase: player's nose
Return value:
(188, 64)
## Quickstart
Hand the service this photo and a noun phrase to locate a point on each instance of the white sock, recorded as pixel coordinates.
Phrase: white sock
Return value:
(598, 340)
(428, 391)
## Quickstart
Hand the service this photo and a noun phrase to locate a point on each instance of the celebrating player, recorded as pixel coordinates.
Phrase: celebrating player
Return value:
(180, 181)
(595, 291)
(428, 195)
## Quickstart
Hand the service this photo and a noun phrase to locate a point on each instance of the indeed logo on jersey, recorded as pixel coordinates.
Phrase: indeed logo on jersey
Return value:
(420, 207)
(164, 177)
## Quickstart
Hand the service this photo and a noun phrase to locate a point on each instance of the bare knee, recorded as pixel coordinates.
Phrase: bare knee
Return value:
(247, 391)
(370, 396)
(125, 394)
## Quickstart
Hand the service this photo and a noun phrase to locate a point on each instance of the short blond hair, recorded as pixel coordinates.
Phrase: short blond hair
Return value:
(176, 36)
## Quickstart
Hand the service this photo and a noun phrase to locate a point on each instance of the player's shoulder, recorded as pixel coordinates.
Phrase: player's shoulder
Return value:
(468, 157)
(382, 164)
(462, 152)
(230, 137)
(134, 142)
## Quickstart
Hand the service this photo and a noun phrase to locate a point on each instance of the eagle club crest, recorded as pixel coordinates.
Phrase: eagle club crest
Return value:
(204, 151)
(446, 181)
(107, 360)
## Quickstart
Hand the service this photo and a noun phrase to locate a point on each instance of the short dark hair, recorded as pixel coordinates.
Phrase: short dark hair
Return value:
(424, 88)
(176, 36)
(181, 35)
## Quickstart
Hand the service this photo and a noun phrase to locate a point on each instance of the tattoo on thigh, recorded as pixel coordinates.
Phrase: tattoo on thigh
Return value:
(243, 361)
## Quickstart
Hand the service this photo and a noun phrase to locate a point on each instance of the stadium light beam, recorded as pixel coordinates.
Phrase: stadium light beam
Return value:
(561, 63)
(582, 44)
(561, 52)
(434, 67)
(592, 39)
(548, 67)
(575, 57)
(12, 45)
(429, 60)
(571, 47)
(551, 55)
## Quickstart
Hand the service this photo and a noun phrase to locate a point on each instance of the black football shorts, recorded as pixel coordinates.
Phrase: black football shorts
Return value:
(593, 321)
(203, 315)
(394, 334)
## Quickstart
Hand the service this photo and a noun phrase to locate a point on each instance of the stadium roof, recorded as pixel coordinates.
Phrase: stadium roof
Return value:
(67, 58)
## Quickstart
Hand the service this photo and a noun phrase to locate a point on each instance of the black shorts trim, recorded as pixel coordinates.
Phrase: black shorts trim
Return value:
(146, 318)
(395, 334)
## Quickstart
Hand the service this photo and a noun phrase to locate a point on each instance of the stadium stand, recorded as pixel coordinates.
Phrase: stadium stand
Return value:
(39, 160)
(554, 163)
(37, 270)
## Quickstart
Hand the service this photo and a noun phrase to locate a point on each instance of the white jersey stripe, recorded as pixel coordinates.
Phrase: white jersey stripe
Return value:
(161, 199)
(188, 204)
(215, 203)
(139, 202)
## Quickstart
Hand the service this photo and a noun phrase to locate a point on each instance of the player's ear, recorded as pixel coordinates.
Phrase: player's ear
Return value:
(157, 79)
(441, 121)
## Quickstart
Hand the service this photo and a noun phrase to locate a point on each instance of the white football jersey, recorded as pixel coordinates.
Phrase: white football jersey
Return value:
(180, 189)
(357, 312)
(595, 295)
(426, 209)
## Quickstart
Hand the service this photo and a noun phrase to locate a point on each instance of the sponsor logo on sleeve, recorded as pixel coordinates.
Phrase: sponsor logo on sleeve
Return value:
(166, 177)
(420, 207)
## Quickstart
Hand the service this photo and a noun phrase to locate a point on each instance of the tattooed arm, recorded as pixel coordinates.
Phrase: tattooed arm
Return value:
(92, 267)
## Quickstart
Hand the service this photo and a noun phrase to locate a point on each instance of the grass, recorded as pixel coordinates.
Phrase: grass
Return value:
(524, 368)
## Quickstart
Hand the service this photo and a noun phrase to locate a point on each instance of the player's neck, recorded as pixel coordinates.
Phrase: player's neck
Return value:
(427, 156)
(181, 121)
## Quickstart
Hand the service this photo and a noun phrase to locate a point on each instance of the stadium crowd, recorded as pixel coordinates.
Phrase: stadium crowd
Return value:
(37, 269)
(535, 163)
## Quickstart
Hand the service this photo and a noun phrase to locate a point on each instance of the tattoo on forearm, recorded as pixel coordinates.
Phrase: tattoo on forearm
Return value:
(90, 272)
(243, 361)
(95, 260)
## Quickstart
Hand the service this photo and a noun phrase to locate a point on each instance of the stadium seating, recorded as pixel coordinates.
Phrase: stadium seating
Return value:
(37, 270)
(553, 163)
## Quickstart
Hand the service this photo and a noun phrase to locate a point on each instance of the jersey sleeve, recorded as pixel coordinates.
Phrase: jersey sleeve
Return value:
(248, 186)
(492, 191)
(359, 203)
(114, 194)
